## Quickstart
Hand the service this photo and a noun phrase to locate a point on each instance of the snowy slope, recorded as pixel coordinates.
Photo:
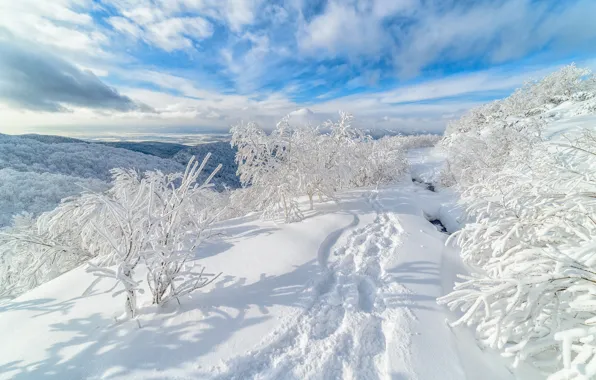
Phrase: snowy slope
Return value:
(347, 293)
(38, 171)
(569, 117)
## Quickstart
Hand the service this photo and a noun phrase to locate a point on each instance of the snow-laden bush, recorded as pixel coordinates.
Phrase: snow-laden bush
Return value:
(482, 141)
(292, 161)
(379, 162)
(153, 220)
(532, 247)
(531, 238)
(29, 256)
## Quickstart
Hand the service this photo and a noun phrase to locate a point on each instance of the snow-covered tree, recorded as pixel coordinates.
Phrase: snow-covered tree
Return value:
(29, 256)
(482, 141)
(301, 160)
(531, 238)
(263, 169)
(155, 220)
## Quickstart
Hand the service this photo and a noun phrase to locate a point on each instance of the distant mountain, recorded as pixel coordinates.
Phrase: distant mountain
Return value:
(377, 133)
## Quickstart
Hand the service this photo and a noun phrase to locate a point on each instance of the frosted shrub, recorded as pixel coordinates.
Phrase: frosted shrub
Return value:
(381, 163)
(264, 166)
(531, 246)
(155, 220)
(29, 256)
(484, 139)
(292, 161)
(531, 240)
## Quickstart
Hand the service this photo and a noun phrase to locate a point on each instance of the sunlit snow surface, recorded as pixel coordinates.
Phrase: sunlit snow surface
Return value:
(347, 293)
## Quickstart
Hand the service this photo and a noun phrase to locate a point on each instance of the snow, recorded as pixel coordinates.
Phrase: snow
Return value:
(349, 293)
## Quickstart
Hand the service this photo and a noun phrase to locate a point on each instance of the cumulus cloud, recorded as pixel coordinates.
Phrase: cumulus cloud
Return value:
(37, 80)
(414, 35)
(175, 24)
(63, 24)
(342, 30)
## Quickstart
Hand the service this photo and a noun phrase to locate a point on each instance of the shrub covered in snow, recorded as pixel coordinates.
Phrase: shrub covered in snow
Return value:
(482, 141)
(155, 220)
(531, 239)
(223, 153)
(295, 161)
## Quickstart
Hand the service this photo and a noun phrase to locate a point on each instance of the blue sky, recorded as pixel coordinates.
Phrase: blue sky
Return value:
(174, 64)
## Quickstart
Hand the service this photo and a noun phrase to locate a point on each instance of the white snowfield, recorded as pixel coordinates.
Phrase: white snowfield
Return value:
(348, 293)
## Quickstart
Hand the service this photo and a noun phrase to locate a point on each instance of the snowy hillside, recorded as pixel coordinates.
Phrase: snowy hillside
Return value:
(347, 293)
(74, 159)
(346, 288)
(524, 167)
(48, 169)
(221, 151)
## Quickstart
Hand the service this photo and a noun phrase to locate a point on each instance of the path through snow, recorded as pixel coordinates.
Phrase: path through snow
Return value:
(373, 314)
(348, 293)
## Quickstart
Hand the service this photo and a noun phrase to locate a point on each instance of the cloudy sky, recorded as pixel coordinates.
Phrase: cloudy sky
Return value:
(205, 64)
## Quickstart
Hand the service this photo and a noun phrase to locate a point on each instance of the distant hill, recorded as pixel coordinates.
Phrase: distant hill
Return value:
(154, 148)
(222, 153)
(51, 139)
(37, 171)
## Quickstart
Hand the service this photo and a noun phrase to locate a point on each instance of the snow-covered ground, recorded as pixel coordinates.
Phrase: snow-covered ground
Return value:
(347, 293)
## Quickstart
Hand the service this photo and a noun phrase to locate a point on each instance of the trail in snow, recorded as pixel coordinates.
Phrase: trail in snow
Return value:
(331, 240)
(348, 329)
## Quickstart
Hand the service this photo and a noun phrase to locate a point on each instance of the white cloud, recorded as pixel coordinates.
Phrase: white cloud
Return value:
(54, 25)
(251, 65)
(236, 14)
(125, 26)
(500, 31)
(178, 33)
(250, 56)
(240, 13)
(60, 10)
(167, 33)
(387, 8)
(145, 15)
(492, 32)
(167, 81)
(341, 30)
